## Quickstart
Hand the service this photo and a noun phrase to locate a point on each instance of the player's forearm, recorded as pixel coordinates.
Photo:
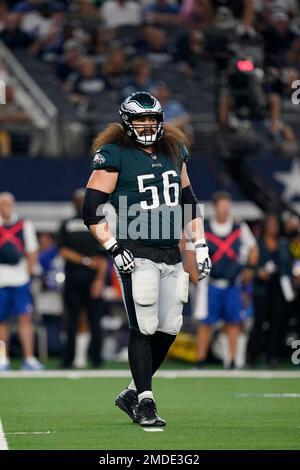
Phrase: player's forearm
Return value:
(195, 230)
(101, 232)
(192, 217)
(122, 258)
(190, 265)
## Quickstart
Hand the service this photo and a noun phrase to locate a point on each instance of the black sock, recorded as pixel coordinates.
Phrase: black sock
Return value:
(160, 345)
(140, 360)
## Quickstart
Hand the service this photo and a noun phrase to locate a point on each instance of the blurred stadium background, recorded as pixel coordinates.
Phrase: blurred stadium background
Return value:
(225, 72)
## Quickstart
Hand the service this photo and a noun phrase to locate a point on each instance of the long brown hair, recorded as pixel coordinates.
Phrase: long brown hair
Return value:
(170, 144)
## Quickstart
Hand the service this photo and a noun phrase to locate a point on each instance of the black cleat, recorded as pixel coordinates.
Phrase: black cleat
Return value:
(147, 414)
(128, 401)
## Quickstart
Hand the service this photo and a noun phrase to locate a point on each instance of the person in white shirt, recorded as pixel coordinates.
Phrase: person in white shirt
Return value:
(117, 13)
(18, 249)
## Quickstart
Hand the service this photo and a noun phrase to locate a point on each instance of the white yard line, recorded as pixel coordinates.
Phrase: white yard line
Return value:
(153, 429)
(24, 433)
(167, 374)
(267, 395)
(3, 441)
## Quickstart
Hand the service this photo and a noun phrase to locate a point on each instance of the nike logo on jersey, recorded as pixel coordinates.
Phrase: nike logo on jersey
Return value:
(156, 164)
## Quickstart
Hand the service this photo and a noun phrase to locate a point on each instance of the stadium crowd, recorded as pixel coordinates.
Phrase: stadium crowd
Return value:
(100, 49)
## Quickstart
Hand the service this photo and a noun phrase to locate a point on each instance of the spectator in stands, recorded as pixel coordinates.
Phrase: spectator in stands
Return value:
(264, 9)
(49, 47)
(191, 10)
(26, 6)
(239, 11)
(100, 47)
(5, 139)
(278, 39)
(3, 13)
(162, 12)
(12, 34)
(190, 50)
(174, 112)
(279, 91)
(37, 22)
(115, 68)
(84, 13)
(156, 48)
(140, 80)
(69, 63)
(88, 83)
(142, 35)
(16, 124)
(280, 84)
(116, 13)
(244, 98)
(18, 249)
(85, 272)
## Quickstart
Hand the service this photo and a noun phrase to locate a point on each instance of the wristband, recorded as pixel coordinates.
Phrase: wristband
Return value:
(109, 243)
(201, 243)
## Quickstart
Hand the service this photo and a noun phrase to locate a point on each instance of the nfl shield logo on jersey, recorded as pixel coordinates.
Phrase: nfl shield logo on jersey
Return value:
(99, 158)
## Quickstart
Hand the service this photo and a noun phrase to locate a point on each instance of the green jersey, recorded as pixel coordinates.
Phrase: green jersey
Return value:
(147, 197)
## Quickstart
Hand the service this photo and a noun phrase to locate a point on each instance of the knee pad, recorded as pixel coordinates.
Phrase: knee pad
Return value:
(148, 327)
(171, 323)
(173, 326)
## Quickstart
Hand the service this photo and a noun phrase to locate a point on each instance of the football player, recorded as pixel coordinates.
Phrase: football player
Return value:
(140, 167)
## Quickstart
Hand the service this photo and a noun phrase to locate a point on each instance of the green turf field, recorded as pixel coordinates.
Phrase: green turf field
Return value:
(201, 413)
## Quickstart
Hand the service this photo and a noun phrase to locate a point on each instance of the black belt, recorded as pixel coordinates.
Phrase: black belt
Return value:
(168, 255)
